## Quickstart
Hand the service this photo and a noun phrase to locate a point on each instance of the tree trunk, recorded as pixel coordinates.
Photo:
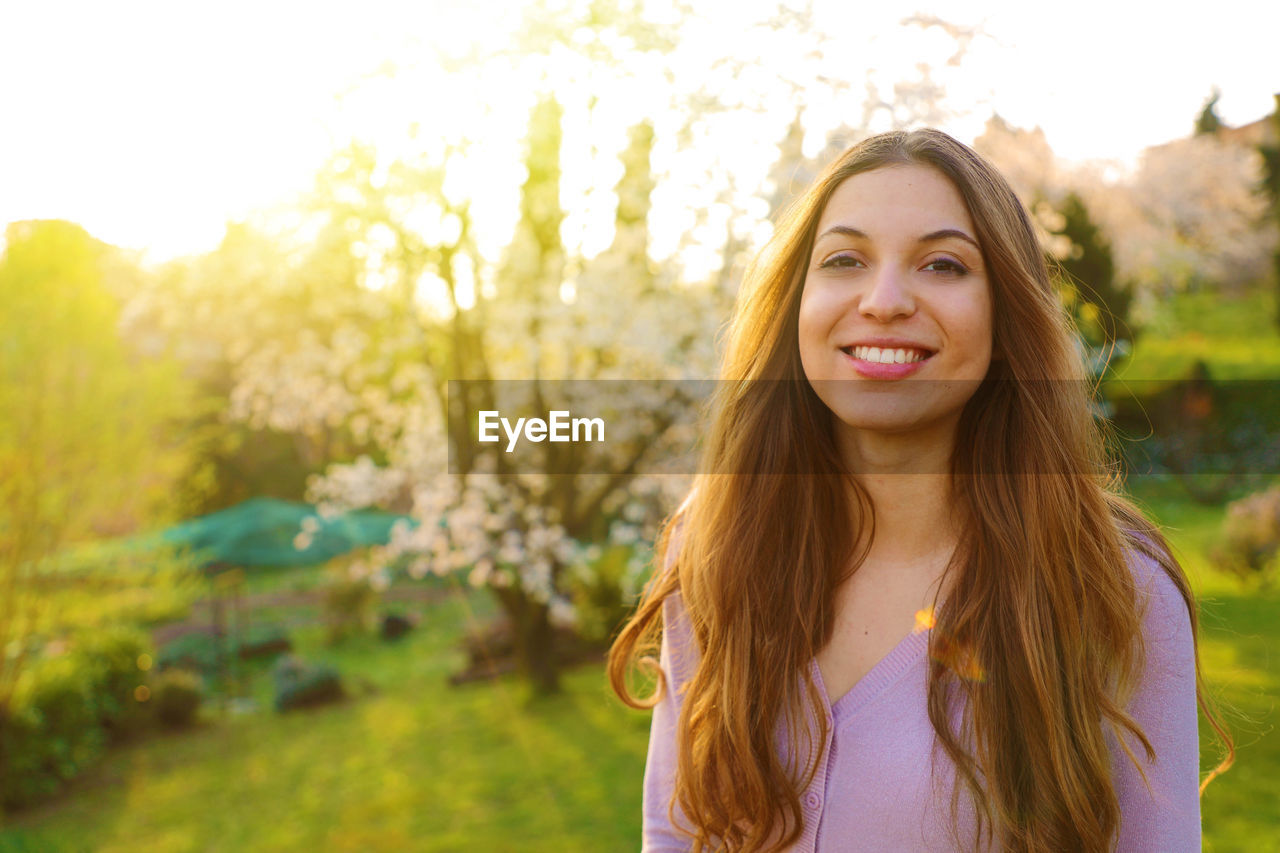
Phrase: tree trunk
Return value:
(534, 638)
(537, 651)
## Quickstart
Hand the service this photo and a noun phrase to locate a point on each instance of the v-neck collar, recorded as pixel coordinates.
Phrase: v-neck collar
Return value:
(887, 670)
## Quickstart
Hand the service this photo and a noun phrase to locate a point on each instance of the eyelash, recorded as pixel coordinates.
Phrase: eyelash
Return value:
(955, 267)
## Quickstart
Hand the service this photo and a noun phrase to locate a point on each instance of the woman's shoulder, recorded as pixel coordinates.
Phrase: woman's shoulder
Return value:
(680, 651)
(1161, 600)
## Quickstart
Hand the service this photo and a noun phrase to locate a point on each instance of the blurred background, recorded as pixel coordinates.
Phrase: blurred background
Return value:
(247, 248)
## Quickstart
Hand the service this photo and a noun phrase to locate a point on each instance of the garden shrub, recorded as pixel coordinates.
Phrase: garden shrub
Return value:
(175, 697)
(25, 774)
(300, 684)
(110, 658)
(1250, 537)
(348, 606)
(51, 732)
(65, 708)
(1215, 437)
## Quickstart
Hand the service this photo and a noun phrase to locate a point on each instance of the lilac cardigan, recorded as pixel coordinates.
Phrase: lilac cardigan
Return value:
(874, 790)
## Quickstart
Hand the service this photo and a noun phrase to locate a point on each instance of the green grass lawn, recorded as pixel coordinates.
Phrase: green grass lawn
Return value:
(1237, 337)
(1240, 654)
(411, 763)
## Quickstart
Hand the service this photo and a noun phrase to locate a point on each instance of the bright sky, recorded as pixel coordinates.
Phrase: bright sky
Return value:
(153, 123)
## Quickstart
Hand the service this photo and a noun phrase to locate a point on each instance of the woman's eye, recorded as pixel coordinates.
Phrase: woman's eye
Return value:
(946, 265)
(838, 261)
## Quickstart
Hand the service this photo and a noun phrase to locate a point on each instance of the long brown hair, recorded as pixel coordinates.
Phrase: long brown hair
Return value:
(1042, 583)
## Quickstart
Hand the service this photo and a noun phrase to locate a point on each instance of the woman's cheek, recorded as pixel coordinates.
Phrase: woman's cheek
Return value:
(814, 329)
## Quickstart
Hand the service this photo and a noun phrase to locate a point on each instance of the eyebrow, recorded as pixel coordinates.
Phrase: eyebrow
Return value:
(941, 234)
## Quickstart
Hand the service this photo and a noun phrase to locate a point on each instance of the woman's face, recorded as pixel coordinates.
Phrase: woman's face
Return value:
(895, 317)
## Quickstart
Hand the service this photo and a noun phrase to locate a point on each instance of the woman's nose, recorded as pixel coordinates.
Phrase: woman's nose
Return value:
(889, 296)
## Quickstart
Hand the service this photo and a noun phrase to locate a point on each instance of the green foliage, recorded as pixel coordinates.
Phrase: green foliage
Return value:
(245, 463)
(1250, 538)
(111, 659)
(101, 587)
(88, 438)
(25, 757)
(175, 697)
(65, 710)
(68, 739)
(94, 420)
(300, 684)
(603, 593)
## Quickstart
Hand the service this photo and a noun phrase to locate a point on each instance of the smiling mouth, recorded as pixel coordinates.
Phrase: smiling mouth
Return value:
(877, 355)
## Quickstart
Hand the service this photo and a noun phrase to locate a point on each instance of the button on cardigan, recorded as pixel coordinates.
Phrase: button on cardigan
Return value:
(875, 789)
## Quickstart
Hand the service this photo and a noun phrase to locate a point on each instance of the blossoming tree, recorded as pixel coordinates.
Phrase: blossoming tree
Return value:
(441, 329)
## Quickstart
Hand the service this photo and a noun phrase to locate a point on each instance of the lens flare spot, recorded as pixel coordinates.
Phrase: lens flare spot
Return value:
(924, 620)
(142, 693)
(958, 658)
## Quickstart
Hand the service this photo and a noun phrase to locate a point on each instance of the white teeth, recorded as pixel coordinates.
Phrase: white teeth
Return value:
(888, 356)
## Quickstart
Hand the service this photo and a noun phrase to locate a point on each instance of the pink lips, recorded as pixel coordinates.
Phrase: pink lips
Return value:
(875, 370)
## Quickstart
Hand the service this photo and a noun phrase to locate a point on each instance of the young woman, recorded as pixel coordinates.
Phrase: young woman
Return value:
(904, 607)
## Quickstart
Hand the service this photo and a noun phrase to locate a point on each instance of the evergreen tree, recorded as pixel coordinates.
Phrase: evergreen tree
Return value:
(1208, 121)
(634, 190)
(1102, 303)
(1271, 184)
(535, 260)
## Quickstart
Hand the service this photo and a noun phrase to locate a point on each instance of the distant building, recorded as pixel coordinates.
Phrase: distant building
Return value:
(1255, 133)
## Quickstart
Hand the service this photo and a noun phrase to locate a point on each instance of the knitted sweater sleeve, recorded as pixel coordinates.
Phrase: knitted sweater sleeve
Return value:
(679, 659)
(1164, 817)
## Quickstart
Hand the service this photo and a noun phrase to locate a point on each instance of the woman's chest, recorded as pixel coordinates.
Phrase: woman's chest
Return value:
(871, 620)
(883, 781)
(888, 786)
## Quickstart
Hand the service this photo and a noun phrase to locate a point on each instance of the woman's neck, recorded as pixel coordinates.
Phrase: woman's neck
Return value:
(908, 479)
(914, 517)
